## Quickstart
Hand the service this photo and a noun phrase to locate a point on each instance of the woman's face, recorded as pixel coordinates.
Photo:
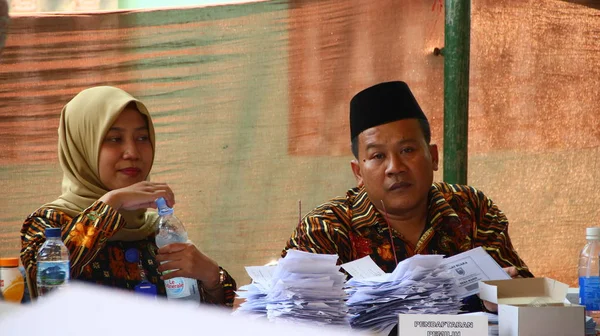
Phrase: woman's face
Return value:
(126, 152)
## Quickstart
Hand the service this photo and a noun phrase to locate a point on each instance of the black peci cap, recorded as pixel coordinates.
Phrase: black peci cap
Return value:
(381, 104)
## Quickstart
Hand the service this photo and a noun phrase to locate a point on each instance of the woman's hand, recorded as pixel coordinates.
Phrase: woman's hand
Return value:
(189, 262)
(512, 271)
(141, 195)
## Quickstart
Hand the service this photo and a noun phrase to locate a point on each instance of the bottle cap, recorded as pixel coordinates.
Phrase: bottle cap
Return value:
(9, 262)
(146, 288)
(163, 209)
(132, 255)
(52, 232)
(592, 233)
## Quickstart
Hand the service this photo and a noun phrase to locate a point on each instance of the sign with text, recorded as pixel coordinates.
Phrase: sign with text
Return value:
(442, 325)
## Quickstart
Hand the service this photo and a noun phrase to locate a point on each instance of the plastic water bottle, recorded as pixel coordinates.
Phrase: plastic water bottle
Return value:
(52, 263)
(589, 274)
(171, 230)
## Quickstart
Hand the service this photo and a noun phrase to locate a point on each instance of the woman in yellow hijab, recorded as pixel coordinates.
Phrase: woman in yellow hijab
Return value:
(106, 150)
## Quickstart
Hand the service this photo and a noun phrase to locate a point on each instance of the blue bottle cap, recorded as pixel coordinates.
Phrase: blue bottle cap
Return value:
(163, 209)
(161, 202)
(52, 232)
(146, 288)
(132, 255)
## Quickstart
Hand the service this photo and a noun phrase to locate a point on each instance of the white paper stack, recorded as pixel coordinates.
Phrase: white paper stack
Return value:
(421, 284)
(303, 287)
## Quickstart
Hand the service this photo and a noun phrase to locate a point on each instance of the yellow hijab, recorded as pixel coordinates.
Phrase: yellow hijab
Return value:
(84, 122)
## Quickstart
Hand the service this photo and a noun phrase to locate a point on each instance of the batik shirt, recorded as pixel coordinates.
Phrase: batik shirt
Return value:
(459, 218)
(95, 259)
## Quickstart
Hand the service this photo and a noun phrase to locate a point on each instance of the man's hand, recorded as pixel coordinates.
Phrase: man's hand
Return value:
(512, 271)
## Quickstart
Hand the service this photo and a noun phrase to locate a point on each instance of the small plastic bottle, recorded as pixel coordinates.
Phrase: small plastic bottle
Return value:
(12, 284)
(52, 263)
(589, 274)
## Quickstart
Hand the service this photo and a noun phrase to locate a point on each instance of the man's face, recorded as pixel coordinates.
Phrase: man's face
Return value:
(396, 165)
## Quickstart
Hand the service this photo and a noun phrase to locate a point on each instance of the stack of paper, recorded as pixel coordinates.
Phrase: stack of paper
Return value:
(255, 294)
(303, 287)
(421, 284)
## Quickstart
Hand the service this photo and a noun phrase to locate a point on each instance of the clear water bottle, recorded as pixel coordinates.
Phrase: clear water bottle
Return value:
(589, 274)
(171, 230)
(52, 263)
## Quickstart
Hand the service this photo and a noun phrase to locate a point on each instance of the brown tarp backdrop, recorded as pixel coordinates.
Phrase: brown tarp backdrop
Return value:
(250, 104)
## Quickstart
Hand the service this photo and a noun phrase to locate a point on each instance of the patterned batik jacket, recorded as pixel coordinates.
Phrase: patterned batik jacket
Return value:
(459, 218)
(95, 259)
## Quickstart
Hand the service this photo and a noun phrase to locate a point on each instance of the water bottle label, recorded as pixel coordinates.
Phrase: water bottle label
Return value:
(589, 292)
(178, 287)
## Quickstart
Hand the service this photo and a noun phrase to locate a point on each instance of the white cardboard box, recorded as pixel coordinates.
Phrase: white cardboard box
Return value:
(533, 306)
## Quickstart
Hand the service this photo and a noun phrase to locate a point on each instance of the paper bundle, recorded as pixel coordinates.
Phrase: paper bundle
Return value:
(421, 284)
(303, 287)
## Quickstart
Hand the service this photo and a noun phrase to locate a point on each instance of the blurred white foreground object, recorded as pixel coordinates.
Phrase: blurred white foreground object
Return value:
(129, 314)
